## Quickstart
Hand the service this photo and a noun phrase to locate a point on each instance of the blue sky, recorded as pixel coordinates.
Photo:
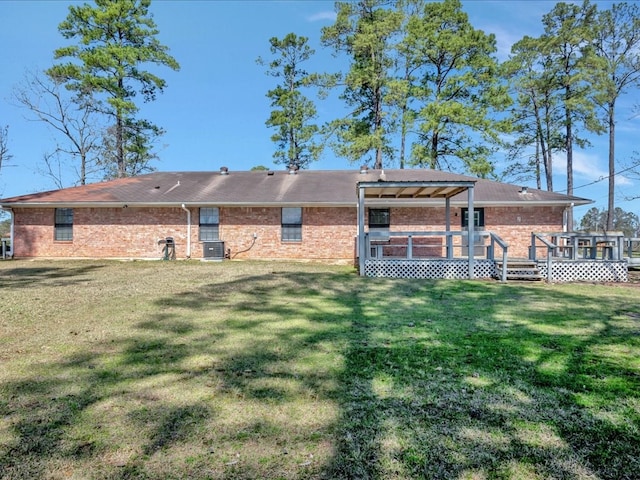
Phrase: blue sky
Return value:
(214, 109)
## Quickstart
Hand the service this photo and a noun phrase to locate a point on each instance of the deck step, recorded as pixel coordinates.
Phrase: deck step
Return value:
(520, 270)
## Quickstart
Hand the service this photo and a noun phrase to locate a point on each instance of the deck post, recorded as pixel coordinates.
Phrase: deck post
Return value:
(471, 231)
(447, 218)
(362, 247)
(532, 247)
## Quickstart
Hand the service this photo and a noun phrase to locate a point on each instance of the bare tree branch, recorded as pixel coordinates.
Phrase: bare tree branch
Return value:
(74, 119)
(4, 149)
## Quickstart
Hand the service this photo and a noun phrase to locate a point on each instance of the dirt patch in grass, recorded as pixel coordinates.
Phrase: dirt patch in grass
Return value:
(295, 371)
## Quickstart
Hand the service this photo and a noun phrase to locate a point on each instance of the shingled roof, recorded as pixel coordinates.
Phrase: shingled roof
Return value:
(269, 188)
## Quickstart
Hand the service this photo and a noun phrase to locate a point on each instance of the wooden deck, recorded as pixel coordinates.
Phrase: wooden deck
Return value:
(554, 257)
(632, 251)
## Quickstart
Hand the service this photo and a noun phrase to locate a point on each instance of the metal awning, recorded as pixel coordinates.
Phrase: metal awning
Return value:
(439, 189)
(408, 190)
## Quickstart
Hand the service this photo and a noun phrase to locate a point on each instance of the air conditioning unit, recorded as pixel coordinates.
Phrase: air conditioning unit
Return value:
(213, 250)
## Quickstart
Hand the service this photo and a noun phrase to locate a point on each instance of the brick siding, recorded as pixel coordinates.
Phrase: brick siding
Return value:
(328, 234)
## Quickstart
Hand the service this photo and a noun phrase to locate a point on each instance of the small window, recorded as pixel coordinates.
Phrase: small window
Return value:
(478, 217)
(292, 224)
(209, 224)
(64, 225)
(379, 218)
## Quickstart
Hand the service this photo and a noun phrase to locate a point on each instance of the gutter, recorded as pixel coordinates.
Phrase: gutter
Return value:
(188, 230)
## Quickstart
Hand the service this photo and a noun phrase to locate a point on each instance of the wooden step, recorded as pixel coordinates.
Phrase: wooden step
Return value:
(521, 270)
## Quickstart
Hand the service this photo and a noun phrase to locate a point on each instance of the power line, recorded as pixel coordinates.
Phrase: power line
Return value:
(601, 179)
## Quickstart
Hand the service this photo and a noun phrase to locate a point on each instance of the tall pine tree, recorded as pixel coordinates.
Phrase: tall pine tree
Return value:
(364, 30)
(293, 113)
(536, 115)
(458, 91)
(116, 41)
(616, 69)
(568, 33)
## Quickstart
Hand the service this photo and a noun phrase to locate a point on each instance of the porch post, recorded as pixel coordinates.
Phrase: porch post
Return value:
(447, 214)
(361, 240)
(471, 232)
(447, 221)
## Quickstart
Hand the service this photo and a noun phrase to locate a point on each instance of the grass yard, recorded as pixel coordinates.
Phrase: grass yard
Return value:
(176, 370)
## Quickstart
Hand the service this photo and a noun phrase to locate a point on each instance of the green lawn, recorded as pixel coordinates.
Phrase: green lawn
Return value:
(167, 370)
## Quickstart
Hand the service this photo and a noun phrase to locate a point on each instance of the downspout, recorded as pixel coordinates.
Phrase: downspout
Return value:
(565, 219)
(188, 230)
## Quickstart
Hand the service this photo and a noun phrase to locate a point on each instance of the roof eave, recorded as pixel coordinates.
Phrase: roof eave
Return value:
(399, 202)
(538, 203)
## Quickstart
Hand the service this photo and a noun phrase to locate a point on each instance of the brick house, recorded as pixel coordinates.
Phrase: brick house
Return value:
(301, 215)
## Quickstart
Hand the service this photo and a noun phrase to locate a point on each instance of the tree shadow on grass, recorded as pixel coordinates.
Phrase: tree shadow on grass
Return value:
(447, 388)
(32, 276)
(160, 399)
(377, 378)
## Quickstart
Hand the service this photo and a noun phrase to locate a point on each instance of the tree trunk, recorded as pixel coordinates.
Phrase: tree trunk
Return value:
(569, 147)
(540, 143)
(378, 127)
(83, 168)
(403, 134)
(546, 154)
(120, 146)
(433, 161)
(612, 167)
(538, 179)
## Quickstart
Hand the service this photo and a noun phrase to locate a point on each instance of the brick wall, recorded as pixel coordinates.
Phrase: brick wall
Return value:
(328, 234)
(515, 224)
(99, 232)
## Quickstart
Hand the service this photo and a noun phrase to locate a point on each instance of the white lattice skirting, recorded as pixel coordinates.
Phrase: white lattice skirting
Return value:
(573, 271)
(428, 268)
(587, 271)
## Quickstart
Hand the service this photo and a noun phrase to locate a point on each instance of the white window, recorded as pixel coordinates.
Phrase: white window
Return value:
(209, 224)
(292, 224)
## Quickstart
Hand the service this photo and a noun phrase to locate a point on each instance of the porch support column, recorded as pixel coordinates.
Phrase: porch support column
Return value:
(362, 247)
(447, 220)
(471, 231)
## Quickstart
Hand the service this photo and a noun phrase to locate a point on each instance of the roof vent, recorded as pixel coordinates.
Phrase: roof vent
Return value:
(293, 169)
(224, 171)
(364, 169)
(524, 190)
(270, 172)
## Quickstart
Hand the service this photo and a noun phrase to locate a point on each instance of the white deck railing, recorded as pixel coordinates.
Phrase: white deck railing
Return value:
(444, 245)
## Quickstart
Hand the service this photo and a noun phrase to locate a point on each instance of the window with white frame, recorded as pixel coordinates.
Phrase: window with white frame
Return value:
(209, 224)
(478, 217)
(292, 224)
(63, 231)
(379, 219)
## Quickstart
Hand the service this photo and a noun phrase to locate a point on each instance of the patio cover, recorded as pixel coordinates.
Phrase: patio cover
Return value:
(382, 189)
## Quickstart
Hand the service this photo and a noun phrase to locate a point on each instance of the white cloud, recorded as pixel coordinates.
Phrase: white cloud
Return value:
(587, 168)
(324, 15)
(508, 21)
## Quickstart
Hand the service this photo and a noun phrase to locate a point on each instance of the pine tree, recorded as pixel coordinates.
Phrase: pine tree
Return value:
(568, 32)
(364, 30)
(293, 112)
(459, 90)
(616, 69)
(116, 41)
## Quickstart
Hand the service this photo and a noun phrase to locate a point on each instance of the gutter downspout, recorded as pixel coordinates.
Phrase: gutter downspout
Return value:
(188, 230)
(565, 219)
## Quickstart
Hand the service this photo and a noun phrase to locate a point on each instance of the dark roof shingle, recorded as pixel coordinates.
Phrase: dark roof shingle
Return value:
(307, 187)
